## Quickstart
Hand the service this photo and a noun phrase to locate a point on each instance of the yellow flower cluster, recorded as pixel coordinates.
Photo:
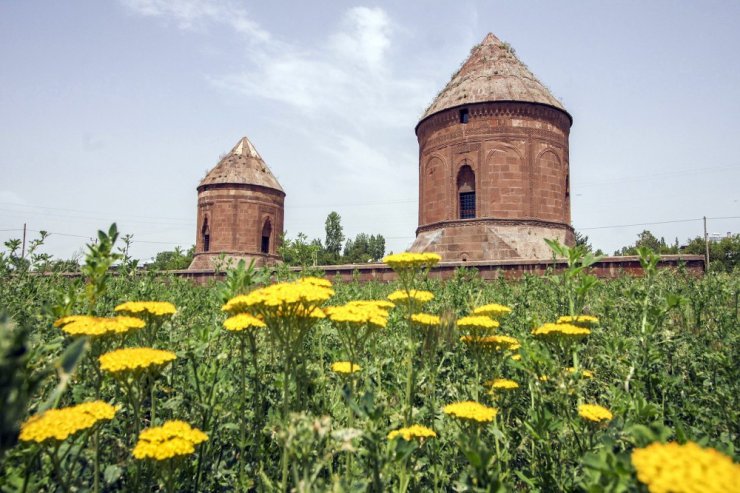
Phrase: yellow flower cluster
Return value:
(414, 294)
(243, 321)
(173, 439)
(477, 322)
(381, 304)
(344, 367)
(358, 314)
(560, 331)
(411, 432)
(315, 281)
(582, 372)
(585, 321)
(285, 299)
(688, 468)
(471, 411)
(425, 319)
(496, 343)
(60, 424)
(135, 360)
(594, 412)
(84, 325)
(502, 384)
(153, 308)
(408, 260)
(493, 310)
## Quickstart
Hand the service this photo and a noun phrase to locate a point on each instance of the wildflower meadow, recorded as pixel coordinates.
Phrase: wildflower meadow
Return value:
(279, 380)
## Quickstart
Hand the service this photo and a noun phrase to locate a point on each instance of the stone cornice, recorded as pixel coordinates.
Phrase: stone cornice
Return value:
(462, 223)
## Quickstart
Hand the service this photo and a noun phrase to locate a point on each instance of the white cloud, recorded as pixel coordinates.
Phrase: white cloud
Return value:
(191, 14)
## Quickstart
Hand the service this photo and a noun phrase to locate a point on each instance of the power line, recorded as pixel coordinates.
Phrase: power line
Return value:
(656, 222)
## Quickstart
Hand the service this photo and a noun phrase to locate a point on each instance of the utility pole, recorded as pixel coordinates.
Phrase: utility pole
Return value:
(706, 242)
(23, 248)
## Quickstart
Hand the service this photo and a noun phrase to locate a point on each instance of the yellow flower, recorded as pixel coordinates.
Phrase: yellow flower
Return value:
(173, 439)
(496, 343)
(425, 319)
(408, 260)
(382, 304)
(284, 299)
(153, 308)
(583, 373)
(344, 368)
(135, 360)
(471, 411)
(315, 281)
(477, 322)
(502, 384)
(242, 322)
(560, 331)
(60, 424)
(415, 295)
(410, 432)
(493, 310)
(368, 314)
(516, 357)
(585, 321)
(688, 468)
(594, 412)
(84, 325)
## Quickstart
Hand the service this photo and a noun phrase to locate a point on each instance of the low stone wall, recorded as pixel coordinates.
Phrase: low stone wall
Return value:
(606, 268)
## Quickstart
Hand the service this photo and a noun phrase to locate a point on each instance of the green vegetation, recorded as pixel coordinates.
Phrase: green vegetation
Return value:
(662, 362)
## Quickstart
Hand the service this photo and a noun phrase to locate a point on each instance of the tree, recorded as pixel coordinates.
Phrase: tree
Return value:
(176, 259)
(364, 248)
(299, 251)
(377, 247)
(648, 240)
(724, 255)
(334, 234)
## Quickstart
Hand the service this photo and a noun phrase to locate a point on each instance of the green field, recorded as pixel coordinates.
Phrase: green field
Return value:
(663, 360)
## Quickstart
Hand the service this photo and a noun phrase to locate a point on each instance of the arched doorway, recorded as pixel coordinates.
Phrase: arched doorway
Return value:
(466, 192)
(266, 234)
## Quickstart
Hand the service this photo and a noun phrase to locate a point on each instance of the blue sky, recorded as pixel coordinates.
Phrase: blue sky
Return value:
(114, 110)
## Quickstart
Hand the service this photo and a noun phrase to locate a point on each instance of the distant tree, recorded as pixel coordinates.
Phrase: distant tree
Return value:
(176, 259)
(377, 247)
(334, 234)
(582, 240)
(724, 255)
(299, 251)
(364, 248)
(648, 239)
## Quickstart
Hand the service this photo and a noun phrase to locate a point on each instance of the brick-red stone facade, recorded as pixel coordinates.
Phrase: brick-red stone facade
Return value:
(240, 211)
(512, 154)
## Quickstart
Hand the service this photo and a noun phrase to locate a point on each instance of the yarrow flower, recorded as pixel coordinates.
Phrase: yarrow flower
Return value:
(414, 295)
(594, 412)
(381, 304)
(471, 411)
(84, 325)
(173, 439)
(154, 308)
(688, 468)
(583, 373)
(425, 319)
(494, 343)
(560, 331)
(367, 314)
(285, 299)
(345, 368)
(585, 321)
(502, 384)
(412, 432)
(135, 360)
(243, 321)
(409, 260)
(493, 310)
(477, 322)
(56, 425)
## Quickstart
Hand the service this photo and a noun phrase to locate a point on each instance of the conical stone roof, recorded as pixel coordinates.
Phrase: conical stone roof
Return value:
(492, 73)
(242, 165)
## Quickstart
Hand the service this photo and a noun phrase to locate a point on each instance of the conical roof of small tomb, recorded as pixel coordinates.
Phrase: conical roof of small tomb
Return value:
(242, 166)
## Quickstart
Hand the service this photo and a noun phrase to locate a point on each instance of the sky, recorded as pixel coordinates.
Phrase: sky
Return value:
(113, 111)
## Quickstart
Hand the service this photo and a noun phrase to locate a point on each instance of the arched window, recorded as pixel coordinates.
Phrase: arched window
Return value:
(466, 192)
(266, 232)
(206, 235)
